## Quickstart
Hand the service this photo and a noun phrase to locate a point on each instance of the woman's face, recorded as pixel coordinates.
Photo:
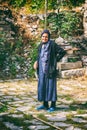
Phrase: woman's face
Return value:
(44, 37)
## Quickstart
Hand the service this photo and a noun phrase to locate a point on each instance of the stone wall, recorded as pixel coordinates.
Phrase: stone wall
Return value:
(14, 54)
(29, 27)
(74, 63)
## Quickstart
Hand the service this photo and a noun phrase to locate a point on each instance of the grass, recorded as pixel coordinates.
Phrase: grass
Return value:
(69, 116)
(3, 108)
(80, 111)
(42, 116)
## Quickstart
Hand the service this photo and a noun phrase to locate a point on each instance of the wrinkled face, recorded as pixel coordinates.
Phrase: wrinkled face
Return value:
(44, 37)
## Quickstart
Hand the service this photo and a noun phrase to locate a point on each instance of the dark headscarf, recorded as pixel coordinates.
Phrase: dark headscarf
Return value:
(46, 31)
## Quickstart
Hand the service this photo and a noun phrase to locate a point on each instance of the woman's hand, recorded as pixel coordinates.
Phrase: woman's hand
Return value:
(35, 65)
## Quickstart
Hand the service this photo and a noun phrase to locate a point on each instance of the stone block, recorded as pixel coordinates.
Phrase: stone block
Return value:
(73, 73)
(71, 65)
(70, 51)
(86, 71)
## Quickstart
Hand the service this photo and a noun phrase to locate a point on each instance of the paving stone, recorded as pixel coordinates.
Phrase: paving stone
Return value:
(66, 88)
(70, 128)
(16, 115)
(80, 120)
(18, 102)
(39, 127)
(12, 126)
(11, 93)
(57, 118)
(34, 121)
(82, 115)
(16, 99)
(82, 99)
(62, 124)
(66, 101)
(32, 127)
(13, 104)
(2, 86)
(24, 108)
(3, 113)
(85, 126)
(1, 94)
(12, 89)
(77, 129)
(9, 97)
(5, 100)
(63, 107)
(25, 100)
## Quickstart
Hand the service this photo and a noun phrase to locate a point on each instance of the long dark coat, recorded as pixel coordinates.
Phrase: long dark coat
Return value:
(47, 90)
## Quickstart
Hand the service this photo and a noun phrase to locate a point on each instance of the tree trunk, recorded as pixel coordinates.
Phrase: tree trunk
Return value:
(85, 20)
(46, 5)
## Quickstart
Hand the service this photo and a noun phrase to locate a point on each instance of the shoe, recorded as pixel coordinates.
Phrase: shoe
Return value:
(41, 108)
(51, 109)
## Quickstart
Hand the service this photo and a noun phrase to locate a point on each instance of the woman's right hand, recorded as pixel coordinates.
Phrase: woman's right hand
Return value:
(35, 65)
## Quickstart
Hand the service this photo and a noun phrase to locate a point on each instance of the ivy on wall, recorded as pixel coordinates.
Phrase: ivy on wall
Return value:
(38, 4)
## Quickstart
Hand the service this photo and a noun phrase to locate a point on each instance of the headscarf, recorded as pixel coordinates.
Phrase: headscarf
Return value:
(46, 31)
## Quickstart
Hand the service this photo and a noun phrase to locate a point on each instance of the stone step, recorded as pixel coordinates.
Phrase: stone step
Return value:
(2, 15)
(5, 27)
(83, 46)
(3, 22)
(81, 52)
(69, 65)
(73, 73)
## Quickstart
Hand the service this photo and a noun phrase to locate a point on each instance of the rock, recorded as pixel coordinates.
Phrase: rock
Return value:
(77, 129)
(39, 127)
(68, 66)
(80, 120)
(70, 128)
(12, 126)
(73, 73)
(59, 41)
(62, 124)
(16, 115)
(56, 118)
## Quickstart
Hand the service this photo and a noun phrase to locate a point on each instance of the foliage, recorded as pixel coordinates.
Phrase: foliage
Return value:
(3, 49)
(72, 3)
(66, 24)
(10, 54)
(3, 108)
(17, 3)
(69, 24)
(37, 5)
(33, 57)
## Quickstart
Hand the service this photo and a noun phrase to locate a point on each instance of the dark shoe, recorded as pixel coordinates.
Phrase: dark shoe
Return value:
(51, 109)
(41, 108)
(45, 103)
(53, 104)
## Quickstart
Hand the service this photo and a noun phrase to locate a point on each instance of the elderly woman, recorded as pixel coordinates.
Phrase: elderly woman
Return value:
(49, 53)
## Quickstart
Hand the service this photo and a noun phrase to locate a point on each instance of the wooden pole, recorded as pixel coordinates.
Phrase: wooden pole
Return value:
(46, 5)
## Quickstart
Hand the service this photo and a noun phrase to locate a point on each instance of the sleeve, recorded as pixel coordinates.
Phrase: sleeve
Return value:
(60, 52)
(38, 52)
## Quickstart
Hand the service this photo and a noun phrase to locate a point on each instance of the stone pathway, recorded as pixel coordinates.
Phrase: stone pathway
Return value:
(18, 100)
